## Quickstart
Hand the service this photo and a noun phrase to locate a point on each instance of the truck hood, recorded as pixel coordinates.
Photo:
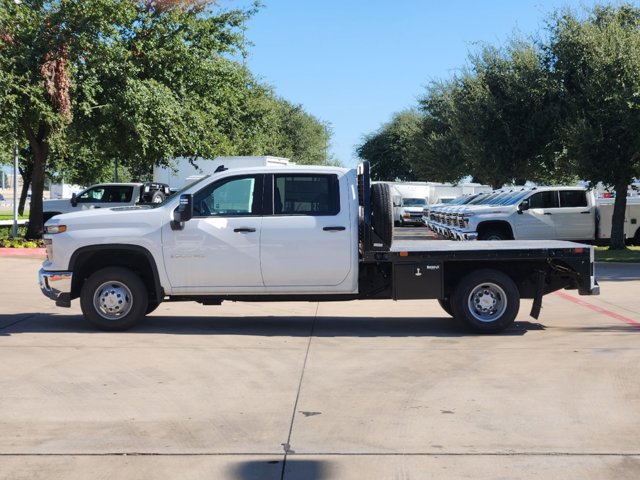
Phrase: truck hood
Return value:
(482, 209)
(115, 217)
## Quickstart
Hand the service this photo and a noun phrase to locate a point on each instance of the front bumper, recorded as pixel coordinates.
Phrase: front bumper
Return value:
(56, 286)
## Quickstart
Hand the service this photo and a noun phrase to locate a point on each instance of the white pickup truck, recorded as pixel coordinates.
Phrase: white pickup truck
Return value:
(107, 195)
(290, 233)
(551, 213)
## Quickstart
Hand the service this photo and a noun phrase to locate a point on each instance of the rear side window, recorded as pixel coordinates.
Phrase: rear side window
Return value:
(306, 195)
(573, 198)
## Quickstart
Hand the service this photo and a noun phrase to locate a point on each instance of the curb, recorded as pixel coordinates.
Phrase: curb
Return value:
(23, 252)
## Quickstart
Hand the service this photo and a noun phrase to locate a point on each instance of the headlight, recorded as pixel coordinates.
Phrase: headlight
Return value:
(55, 228)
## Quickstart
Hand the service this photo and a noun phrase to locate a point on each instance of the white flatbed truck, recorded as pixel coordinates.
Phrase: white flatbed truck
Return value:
(291, 233)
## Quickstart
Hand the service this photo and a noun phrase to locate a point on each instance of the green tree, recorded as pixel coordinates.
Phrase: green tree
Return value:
(140, 81)
(279, 128)
(597, 63)
(389, 149)
(504, 115)
(436, 153)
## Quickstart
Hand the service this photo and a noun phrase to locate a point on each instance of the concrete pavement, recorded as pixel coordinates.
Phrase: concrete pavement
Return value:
(354, 390)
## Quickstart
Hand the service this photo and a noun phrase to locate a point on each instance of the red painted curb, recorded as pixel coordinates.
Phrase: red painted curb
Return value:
(23, 252)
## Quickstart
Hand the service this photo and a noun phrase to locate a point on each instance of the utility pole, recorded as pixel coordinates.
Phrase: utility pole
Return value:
(14, 229)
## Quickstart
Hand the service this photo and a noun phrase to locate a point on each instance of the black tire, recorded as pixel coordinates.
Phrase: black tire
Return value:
(492, 235)
(445, 303)
(151, 306)
(486, 300)
(382, 207)
(158, 197)
(114, 299)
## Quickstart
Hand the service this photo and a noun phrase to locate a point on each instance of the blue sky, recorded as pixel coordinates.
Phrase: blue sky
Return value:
(354, 63)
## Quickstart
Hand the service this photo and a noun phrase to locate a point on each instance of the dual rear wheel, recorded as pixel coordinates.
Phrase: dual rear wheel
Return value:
(486, 300)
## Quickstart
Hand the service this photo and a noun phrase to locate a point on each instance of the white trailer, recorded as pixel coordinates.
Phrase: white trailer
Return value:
(631, 220)
(184, 170)
(63, 190)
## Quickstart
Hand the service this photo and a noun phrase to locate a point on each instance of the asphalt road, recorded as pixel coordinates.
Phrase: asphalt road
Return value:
(355, 390)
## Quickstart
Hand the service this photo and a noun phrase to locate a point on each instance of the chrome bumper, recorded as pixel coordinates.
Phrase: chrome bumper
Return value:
(56, 286)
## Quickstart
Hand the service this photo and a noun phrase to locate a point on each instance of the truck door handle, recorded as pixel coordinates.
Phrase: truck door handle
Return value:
(547, 213)
(244, 230)
(585, 213)
(334, 229)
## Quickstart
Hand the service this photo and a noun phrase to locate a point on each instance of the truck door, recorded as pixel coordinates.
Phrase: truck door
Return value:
(537, 223)
(575, 219)
(219, 248)
(306, 240)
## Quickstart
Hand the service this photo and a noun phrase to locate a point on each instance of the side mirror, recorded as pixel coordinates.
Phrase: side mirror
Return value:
(524, 206)
(74, 200)
(183, 213)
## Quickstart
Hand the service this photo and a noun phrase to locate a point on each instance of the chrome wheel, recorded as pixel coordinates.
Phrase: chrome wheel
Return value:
(112, 300)
(487, 302)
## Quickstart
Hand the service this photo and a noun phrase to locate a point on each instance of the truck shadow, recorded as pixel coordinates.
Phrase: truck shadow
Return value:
(268, 326)
(303, 469)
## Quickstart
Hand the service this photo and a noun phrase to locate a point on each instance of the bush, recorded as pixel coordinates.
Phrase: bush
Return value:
(18, 242)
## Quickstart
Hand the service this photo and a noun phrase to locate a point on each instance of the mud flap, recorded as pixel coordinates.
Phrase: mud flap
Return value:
(537, 298)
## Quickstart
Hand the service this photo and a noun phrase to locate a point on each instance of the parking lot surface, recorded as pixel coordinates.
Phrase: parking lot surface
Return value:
(314, 391)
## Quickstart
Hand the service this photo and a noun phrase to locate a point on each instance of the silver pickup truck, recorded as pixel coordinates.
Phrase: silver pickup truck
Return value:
(107, 195)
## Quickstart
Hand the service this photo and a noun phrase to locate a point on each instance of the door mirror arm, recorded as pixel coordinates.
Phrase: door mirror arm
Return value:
(183, 213)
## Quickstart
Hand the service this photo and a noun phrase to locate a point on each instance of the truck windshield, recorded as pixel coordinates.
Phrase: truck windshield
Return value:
(414, 202)
(512, 198)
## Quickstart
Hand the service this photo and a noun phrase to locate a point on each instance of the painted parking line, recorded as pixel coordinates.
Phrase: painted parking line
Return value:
(597, 309)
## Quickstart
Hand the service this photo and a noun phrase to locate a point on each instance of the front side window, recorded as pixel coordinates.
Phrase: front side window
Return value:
(92, 195)
(237, 196)
(546, 199)
(107, 194)
(306, 195)
(573, 198)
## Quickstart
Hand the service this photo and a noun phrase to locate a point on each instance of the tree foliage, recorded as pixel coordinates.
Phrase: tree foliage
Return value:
(493, 121)
(596, 61)
(389, 149)
(86, 84)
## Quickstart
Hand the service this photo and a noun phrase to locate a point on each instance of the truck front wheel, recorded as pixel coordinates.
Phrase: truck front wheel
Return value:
(114, 299)
(486, 300)
(493, 235)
